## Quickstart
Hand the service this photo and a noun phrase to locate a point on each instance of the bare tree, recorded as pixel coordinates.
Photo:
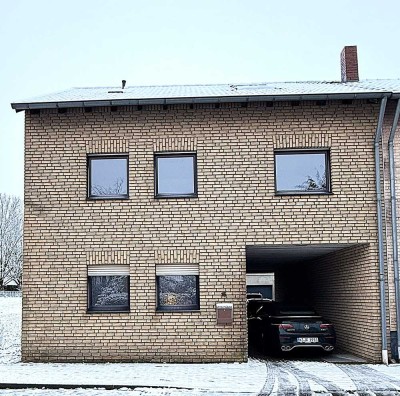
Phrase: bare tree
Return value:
(11, 231)
(119, 187)
(318, 183)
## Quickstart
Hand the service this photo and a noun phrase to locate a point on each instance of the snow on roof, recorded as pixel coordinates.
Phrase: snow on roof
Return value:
(169, 94)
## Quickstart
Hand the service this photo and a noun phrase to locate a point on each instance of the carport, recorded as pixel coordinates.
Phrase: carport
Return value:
(339, 280)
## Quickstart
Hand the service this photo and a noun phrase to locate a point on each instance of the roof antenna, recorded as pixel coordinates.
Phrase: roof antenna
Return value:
(123, 84)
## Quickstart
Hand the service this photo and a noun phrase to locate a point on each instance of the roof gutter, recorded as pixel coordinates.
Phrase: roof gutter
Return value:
(378, 137)
(393, 202)
(193, 100)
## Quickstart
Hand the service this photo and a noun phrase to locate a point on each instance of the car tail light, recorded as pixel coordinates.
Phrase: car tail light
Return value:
(286, 327)
(325, 326)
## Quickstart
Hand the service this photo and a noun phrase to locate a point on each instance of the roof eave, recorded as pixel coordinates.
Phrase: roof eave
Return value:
(210, 99)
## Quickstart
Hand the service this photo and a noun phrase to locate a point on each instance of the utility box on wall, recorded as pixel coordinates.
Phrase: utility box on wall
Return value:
(224, 313)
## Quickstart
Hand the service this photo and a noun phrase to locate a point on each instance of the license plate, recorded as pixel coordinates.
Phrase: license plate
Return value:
(307, 340)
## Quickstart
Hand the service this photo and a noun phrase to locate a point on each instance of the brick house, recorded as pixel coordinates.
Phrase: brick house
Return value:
(148, 208)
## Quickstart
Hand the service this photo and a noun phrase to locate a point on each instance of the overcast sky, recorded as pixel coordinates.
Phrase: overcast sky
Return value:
(47, 46)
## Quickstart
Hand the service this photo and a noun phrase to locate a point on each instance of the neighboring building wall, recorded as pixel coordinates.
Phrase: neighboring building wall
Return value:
(236, 206)
(397, 184)
(389, 275)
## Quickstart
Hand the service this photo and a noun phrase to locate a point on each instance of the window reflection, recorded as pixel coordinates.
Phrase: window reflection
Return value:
(108, 177)
(177, 291)
(175, 175)
(109, 292)
(301, 172)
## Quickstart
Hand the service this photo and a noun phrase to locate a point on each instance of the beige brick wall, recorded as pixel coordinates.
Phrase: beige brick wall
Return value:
(236, 206)
(348, 280)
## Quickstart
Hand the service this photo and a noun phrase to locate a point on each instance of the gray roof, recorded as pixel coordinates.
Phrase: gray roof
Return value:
(212, 93)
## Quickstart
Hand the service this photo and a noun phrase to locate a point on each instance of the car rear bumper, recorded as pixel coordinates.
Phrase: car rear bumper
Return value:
(326, 347)
(325, 342)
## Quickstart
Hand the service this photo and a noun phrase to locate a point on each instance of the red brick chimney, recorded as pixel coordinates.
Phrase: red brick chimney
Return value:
(349, 63)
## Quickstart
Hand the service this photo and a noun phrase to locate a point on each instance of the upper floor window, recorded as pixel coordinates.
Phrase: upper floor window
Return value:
(302, 172)
(175, 175)
(108, 176)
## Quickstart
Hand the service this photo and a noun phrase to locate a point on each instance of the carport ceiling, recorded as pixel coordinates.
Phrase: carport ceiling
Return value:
(265, 258)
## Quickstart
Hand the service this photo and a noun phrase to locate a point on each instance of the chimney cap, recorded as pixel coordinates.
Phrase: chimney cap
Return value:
(349, 63)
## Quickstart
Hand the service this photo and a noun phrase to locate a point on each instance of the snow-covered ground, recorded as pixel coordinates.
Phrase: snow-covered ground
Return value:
(275, 378)
(169, 379)
(223, 377)
(10, 329)
(116, 392)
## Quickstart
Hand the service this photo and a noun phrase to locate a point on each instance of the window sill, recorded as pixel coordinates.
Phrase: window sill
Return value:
(162, 196)
(91, 311)
(119, 197)
(161, 311)
(300, 193)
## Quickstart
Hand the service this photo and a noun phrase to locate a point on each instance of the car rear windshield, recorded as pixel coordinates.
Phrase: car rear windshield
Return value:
(295, 310)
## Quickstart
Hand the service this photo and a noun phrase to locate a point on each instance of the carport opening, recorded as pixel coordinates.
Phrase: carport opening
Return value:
(321, 276)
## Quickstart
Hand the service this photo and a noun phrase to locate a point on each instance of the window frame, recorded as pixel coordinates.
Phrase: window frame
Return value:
(324, 151)
(177, 308)
(89, 159)
(175, 154)
(108, 309)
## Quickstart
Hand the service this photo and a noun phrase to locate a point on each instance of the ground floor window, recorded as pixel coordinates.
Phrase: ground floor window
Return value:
(108, 288)
(177, 287)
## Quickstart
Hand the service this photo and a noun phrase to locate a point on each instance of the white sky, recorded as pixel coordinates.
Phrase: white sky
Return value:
(47, 46)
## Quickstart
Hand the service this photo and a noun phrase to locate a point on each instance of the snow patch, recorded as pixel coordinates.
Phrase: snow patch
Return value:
(222, 377)
(327, 372)
(392, 371)
(10, 329)
(116, 392)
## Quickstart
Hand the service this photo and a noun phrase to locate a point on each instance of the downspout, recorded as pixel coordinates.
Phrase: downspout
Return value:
(393, 202)
(378, 136)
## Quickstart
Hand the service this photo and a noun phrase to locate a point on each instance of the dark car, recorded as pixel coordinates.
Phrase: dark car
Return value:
(283, 327)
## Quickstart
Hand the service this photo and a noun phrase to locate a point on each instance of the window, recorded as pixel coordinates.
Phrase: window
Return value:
(108, 288)
(175, 175)
(302, 172)
(177, 287)
(108, 176)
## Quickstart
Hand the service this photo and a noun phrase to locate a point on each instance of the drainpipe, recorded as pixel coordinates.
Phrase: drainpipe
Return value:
(393, 202)
(378, 136)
